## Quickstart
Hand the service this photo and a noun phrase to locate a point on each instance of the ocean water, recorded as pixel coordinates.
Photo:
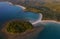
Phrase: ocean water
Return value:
(10, 12)
(51, 31)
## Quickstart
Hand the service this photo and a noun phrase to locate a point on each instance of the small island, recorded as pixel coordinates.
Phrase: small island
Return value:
(17, 26)
(15, 29)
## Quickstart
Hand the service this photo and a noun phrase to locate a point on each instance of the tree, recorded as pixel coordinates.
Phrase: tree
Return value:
(18, 26)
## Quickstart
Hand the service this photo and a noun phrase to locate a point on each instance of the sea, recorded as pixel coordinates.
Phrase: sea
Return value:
(51, 31)
(10, 11)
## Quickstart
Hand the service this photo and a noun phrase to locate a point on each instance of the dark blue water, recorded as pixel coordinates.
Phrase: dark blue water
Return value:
(9, 12)
(51, 31)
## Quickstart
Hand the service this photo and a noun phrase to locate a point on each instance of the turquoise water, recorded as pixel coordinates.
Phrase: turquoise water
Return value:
(51, 31)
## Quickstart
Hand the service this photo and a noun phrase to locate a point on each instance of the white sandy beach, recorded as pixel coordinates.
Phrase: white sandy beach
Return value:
(45, 21)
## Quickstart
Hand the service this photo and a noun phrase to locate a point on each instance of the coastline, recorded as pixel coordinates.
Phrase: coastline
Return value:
(38, 20)
(31, 34)
(54, 21)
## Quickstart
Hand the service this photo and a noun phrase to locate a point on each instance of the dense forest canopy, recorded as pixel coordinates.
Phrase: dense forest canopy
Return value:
(18, 26)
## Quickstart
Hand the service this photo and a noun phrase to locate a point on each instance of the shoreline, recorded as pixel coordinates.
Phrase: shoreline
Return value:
(54, 21)
(25, 35)
(38, 20)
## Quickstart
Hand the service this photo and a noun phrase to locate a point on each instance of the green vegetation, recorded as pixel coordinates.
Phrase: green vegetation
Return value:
(18, 26)
(49, 9)
(49, 13)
